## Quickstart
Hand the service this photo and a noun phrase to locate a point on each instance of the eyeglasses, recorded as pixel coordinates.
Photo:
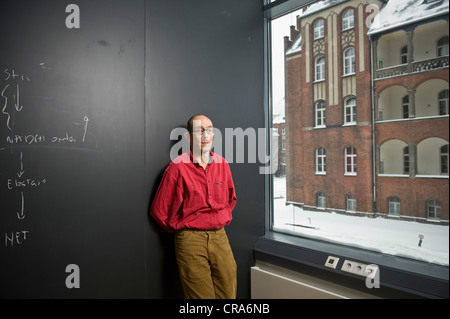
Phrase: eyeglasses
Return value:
(200, 130)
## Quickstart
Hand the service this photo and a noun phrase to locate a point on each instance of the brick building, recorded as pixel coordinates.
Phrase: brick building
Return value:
(361, 136)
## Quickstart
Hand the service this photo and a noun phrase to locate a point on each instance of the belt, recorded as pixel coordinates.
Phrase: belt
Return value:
(200, 230)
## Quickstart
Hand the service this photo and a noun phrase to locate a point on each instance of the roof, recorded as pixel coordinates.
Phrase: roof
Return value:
(397, 13)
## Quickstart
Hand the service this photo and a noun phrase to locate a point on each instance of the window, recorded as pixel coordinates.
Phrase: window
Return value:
(406, 160)
(349, 61)
(404, 54)
(394, 206)
(443, 102)
(319, 29)
(444, 159)
(350, 161)
(434, 209)
(321, 200)
(320, 68)
(319, 114)
(442, 46)
(321, 161)
(405, 106)
(350, 110)
(348, 20)
(351, 203)
(339, 170)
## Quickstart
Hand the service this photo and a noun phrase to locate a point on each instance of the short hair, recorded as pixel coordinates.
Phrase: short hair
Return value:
(190, 122)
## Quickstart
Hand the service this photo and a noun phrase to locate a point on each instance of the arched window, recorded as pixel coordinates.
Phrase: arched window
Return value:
(319, 110)
(348, 19)
(350, 161)
(434, 209)
(321, 161)
(319, 29)
(350, 110)
(319, 67)
(394, 206)
(442, 46)
(349, 61)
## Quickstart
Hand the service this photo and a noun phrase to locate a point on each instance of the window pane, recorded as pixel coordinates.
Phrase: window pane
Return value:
(322, 155)
(348, 20)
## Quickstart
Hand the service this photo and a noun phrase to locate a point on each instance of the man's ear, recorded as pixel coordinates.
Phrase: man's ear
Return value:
(187, 135)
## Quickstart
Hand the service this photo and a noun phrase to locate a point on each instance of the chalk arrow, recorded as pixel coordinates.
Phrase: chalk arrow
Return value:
(21, 215)
(21, 166)
(86, 120)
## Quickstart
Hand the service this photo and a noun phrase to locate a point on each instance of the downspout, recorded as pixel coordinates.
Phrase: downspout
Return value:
(374, 165)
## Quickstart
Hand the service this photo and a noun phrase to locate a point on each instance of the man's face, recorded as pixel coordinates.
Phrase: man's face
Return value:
(202, 134)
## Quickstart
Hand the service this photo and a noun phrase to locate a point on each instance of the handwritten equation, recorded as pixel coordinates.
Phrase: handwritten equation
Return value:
(13, 86)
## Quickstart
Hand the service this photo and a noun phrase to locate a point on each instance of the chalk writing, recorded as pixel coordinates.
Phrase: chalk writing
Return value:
(11, 74)
(13, 84)
(15, 237)
(23, 183)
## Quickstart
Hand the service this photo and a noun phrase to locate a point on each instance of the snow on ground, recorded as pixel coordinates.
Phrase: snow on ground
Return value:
(390, 236)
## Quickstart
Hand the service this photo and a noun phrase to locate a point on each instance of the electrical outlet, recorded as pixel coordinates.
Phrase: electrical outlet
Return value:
(355, 268)
(332, 262)
(371, 270)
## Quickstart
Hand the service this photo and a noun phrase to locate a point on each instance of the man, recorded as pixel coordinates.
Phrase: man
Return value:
(195, 200)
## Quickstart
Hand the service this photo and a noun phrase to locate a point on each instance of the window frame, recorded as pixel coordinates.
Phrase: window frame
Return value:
(349, 65)
(349, 19)
(350, 110)
(443, 156)
(443, 97)
(350, 203)
(320, 114)
(319, 69)
(321, 161)
(406, 162)
(319, 30)
(435, 206)
(398, 274)
(442, 46)
(394, 203)
(321, 200)
(350, 156)
(405, 106)
(404, 54)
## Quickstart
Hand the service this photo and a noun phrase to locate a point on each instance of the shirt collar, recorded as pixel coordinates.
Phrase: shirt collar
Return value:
(211, 160)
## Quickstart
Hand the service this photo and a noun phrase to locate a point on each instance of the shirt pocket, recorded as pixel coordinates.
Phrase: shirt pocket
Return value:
(220, 192)
(193, 197)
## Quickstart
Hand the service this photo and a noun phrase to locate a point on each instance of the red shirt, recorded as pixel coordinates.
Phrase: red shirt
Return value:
(192, 197)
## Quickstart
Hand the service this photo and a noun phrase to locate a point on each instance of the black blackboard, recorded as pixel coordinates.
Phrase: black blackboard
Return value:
(72, 148)
(86, 112)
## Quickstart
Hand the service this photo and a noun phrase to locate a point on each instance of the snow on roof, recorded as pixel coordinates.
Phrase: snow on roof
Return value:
(320, 5)
(313, 8)
(400, 12)
(296, 46)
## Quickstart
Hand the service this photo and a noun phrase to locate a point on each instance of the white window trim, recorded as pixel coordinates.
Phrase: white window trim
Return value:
(350, 18)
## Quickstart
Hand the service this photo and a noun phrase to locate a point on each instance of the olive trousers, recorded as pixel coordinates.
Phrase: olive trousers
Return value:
(206, 264)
